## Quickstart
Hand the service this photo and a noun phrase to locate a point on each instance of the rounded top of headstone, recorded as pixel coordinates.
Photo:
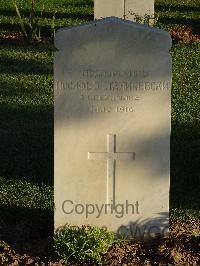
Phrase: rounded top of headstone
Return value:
(113, 27)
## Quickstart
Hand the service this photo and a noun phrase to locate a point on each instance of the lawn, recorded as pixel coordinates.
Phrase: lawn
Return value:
(26, 110)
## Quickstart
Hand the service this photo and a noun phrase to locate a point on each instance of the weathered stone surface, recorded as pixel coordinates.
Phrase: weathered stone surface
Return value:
(112, 126)
(108, 8)
(128, 9)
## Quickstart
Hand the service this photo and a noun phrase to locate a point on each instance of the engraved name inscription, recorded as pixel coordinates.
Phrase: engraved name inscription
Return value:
(108, 91)
(112, 86)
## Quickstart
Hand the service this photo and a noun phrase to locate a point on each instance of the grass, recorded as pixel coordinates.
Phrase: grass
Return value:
(24, 194)
(26, 99)
(67, 13)
(185, 141)
(26, 109)
(170, 12)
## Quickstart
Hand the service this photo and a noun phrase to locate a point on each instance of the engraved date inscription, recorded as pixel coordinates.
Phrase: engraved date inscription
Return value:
(109, 109)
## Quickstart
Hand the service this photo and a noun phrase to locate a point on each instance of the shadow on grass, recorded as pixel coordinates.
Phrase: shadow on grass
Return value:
(190, 22)
(45, 31)
(10, 27)
(175, 8)
(27, 230)
(185, 158)
(26, 147)
(80, 3)
(23, 66)
(49, 14)
(26, 128)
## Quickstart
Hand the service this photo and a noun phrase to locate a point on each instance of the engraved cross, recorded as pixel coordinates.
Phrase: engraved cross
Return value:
(111, 156)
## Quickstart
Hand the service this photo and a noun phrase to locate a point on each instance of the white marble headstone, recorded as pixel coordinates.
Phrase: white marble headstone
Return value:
(112, 126)
(127, 9)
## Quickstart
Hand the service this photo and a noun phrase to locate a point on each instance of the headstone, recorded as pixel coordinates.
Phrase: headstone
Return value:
(112, 126)
(127, 9)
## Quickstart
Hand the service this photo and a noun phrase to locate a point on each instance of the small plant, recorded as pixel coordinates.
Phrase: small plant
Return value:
(84, 243)
(30, 28)
(146, 19)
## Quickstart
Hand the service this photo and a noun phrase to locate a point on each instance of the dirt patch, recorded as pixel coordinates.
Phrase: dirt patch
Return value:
(180, 248)
(184, 34)
(129, 253)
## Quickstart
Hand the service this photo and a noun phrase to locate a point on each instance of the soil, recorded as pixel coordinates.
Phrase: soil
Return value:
(181, 247)
(184, 34)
